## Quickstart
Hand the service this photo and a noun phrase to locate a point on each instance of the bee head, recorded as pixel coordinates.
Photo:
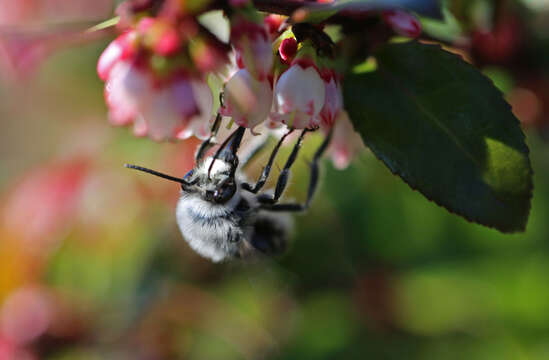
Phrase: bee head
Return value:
(214, 179)
(217, 186)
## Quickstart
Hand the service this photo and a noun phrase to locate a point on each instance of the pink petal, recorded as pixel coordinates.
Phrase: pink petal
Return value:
(127, 90)
(333, 102)
(108, 58)
(119, 49)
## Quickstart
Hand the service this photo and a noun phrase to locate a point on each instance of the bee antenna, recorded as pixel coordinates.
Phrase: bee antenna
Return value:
(168, 177)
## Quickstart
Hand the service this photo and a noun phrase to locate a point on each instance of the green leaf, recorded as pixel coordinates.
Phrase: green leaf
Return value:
(443, 127)
(320, 12)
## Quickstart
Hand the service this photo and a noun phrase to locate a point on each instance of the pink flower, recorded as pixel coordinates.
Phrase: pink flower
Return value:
(126, 89)
(176, 108)
(247, 100)
(198, 124)
(402, 23)
(299, 95)
(275, 24)
(346, 142)
(253, 47)
(43, 204)
(333, 101)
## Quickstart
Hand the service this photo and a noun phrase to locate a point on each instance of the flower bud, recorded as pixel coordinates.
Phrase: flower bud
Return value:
(208, 55)
(287, 49)
(247, 100)
(160, 36)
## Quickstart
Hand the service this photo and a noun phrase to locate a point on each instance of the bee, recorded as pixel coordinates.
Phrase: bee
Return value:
(222, 216)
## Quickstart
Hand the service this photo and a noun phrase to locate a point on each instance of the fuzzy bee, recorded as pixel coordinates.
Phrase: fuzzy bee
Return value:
(222, 216)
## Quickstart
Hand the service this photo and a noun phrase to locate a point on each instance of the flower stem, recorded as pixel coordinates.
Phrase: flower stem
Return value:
(281, 7)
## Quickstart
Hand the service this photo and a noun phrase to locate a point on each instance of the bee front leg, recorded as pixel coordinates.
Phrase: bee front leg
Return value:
(210, 141)
(267, 169)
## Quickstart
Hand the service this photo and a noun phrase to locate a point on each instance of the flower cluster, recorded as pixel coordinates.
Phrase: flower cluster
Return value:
(156, 74)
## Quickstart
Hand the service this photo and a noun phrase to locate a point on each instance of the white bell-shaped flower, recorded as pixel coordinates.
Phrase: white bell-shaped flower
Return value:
(299, 95)
(126, 89)
(247, 100)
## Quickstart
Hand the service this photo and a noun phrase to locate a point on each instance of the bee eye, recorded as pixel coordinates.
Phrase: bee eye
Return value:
(225, 191)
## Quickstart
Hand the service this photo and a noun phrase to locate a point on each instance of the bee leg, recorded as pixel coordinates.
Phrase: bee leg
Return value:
(210, 141)
(284, 174)
(267, 169)
(313, 183)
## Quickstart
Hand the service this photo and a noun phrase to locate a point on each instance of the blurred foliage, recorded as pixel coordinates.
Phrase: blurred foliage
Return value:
(374, 271)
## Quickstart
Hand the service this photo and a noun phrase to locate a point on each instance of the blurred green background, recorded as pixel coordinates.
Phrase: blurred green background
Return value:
(92, 264)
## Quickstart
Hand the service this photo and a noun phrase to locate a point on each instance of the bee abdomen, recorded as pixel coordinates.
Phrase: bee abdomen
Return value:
(270, 235)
